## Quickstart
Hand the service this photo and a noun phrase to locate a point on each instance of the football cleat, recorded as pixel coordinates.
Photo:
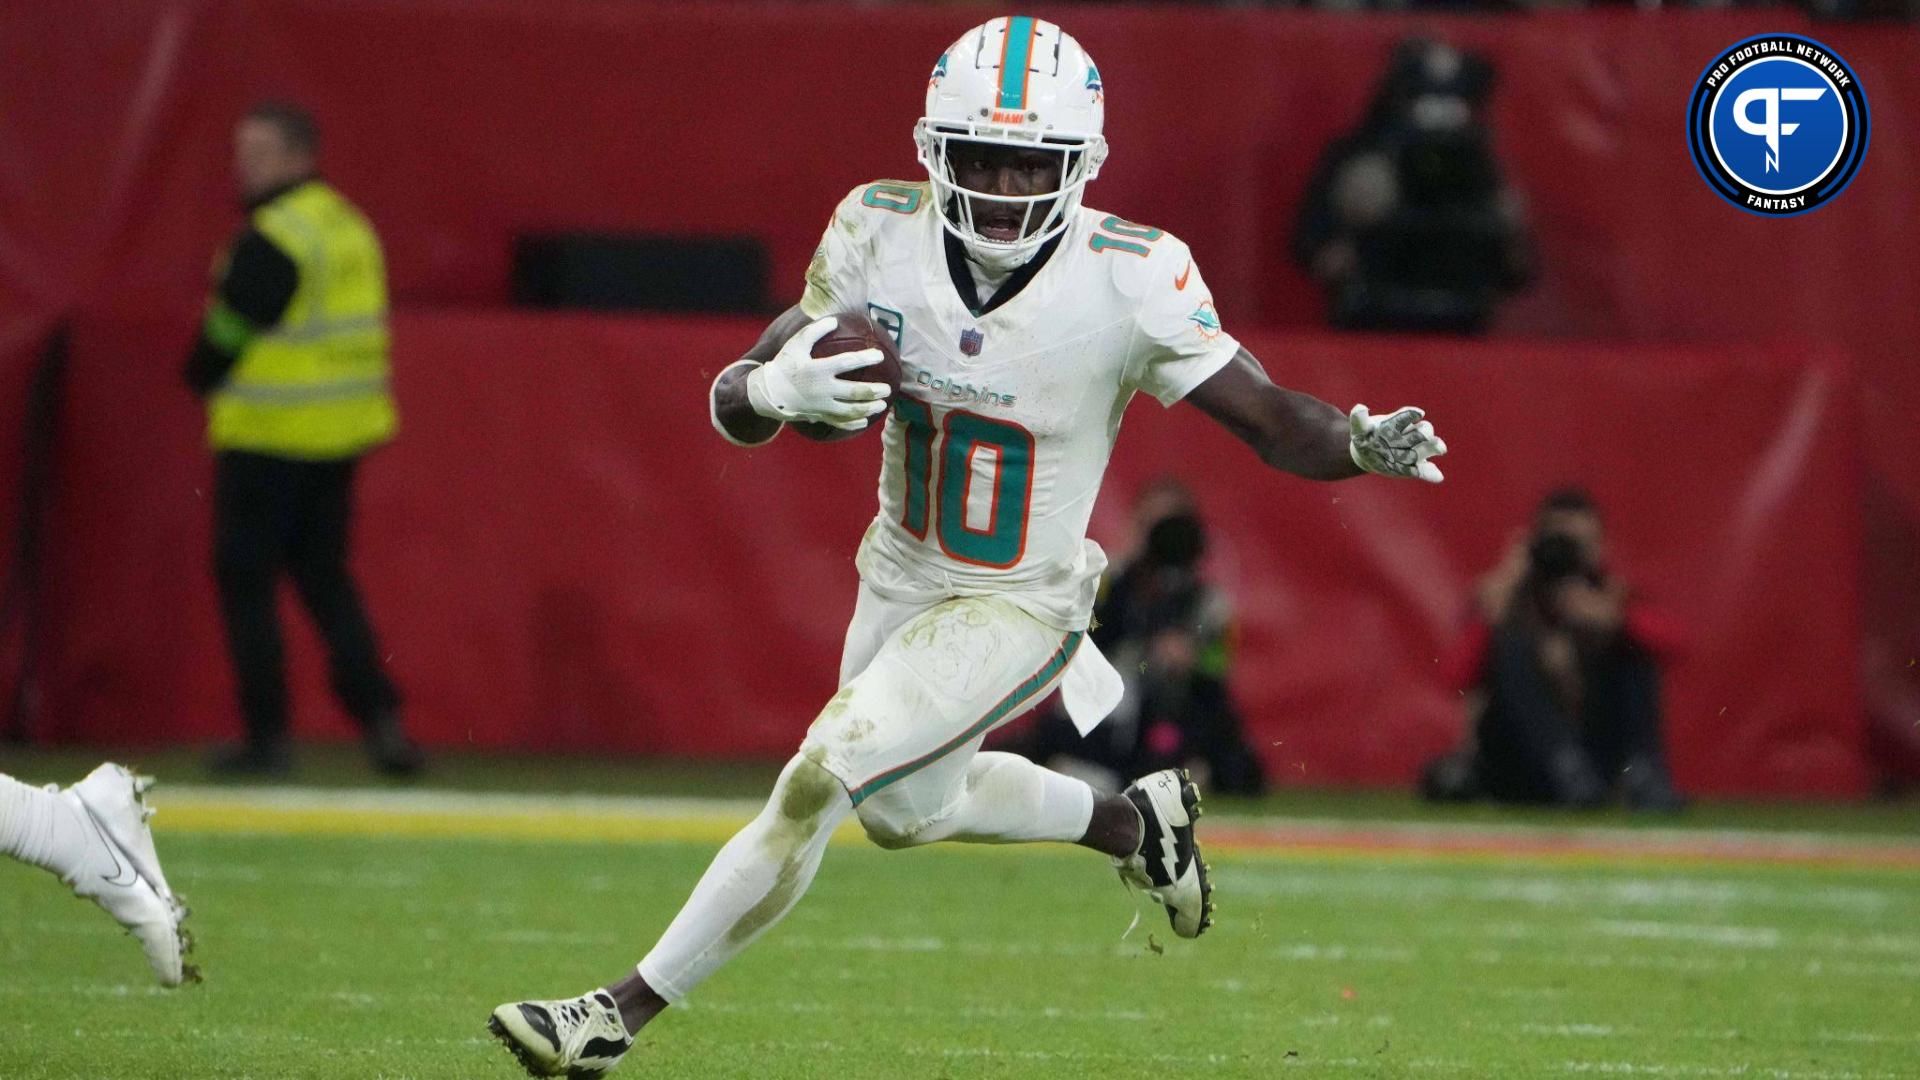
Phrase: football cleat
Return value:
(1168, 866)
(580, 1037)
(121, 871)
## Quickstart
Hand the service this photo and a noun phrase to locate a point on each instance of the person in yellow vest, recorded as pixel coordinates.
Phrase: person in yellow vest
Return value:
(292, 363)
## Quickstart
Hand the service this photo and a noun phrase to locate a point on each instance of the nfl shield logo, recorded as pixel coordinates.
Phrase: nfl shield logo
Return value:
(970, 341)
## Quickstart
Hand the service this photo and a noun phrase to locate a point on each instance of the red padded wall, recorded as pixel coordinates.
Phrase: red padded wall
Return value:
(457, 125)
(562, 554)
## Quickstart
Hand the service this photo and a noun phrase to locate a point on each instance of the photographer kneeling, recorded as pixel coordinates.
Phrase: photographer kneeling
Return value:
(1562, 672)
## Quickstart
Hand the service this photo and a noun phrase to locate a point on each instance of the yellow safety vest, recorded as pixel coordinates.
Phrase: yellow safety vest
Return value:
(315, 386)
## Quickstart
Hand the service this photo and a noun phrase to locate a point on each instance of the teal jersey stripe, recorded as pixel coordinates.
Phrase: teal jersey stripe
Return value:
(1019, 696)
(1014, 62)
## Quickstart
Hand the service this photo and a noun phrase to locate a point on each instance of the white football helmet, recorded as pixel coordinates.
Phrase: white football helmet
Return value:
(1015, 81)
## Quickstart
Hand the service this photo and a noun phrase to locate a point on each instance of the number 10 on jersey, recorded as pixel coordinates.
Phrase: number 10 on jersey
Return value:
(961, 438)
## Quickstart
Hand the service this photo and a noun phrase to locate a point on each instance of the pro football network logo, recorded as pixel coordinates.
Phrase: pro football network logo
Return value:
(1778, 125)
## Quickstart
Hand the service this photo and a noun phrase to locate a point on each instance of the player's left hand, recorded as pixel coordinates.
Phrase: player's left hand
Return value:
(1398, 444)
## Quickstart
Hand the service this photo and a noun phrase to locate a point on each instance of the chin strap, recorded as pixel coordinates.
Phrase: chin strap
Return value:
(992, 266)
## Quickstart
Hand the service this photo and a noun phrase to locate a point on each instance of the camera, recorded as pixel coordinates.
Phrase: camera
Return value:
(1553, 557)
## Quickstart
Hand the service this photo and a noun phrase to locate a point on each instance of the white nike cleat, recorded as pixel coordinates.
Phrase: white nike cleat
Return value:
(1168, 866)
(121, 871)
(581, 1037)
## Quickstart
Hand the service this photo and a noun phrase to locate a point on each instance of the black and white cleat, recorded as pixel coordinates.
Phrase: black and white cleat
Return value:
(580, 1037)
(1168, 866)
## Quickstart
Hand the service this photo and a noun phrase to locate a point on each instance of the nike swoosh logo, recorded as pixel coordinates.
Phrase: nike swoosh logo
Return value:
(1181, 281)
(121, 867)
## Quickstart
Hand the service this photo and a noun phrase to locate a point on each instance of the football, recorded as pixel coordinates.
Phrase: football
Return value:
(854, 332)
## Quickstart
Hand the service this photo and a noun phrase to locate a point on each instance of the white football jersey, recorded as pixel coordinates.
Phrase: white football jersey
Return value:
(996, 444)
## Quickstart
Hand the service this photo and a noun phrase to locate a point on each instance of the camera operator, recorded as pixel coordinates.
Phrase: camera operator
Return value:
(1562, 669)
(1169, 634)
(1407, 220)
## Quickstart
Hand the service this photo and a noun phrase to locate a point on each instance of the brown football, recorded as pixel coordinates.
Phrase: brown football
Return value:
(854, 332)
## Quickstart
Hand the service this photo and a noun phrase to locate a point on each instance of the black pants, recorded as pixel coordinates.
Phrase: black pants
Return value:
(1198, 707)
(1529, 748)
(273, 514)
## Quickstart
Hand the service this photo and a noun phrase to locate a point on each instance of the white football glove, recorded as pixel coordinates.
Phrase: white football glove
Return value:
(1395, 445)
(795, 385)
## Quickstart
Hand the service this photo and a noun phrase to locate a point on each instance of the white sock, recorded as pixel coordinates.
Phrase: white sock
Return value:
(755, 880)
(37, 826)
(1010, 800)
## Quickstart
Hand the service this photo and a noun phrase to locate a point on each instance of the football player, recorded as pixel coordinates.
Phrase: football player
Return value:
(1025, 322)
(94, 836)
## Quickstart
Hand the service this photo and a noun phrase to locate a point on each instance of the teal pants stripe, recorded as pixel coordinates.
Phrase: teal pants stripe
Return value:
(1026, 690)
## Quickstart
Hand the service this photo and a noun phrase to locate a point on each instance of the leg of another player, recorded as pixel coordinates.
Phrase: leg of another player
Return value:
(94, 837)
(39, 828)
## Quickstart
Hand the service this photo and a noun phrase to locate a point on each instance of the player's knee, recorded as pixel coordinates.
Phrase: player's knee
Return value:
(887, 830)
(805, 792)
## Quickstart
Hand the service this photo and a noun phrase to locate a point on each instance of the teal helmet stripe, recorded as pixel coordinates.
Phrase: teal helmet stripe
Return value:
(1015, 58)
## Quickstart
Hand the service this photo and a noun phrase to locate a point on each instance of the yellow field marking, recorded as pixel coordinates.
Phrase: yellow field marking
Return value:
(451, 815)
(316, 813)
(316, 821)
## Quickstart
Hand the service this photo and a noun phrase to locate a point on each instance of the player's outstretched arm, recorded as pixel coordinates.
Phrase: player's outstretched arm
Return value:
(1303, 435)
(1290, 430)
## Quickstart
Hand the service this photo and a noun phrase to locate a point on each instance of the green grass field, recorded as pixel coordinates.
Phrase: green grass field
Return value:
(333, 952)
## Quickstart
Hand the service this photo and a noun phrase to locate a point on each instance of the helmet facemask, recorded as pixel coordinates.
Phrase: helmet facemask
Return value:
(1033, 219)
